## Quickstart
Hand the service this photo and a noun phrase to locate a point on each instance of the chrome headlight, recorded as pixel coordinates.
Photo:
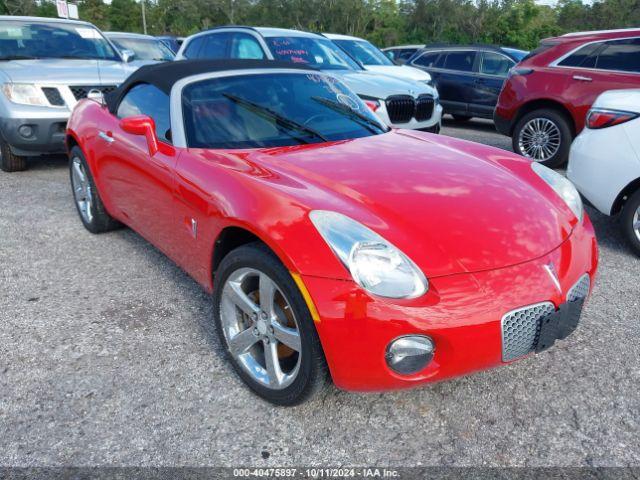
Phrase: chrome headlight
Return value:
(563, 187)
(25, 94)
(375, 264)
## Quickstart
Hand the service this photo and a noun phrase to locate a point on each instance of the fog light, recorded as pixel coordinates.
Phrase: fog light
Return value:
(25, 131)
(410, 354)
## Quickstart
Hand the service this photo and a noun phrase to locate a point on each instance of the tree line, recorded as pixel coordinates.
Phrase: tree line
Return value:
(516, 23)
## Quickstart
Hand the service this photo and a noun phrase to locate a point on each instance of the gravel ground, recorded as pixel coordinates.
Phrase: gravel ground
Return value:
(107, 356)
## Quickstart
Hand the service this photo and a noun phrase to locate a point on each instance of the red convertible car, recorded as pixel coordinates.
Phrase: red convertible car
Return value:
(334, 247)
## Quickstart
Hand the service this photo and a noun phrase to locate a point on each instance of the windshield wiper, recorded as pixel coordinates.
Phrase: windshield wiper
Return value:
(280, 120)
(18, 57)
(365, 121)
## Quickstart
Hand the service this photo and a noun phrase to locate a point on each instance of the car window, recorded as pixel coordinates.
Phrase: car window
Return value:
(620, 55)
(364, 52)
(317, 52)
(274, 110)
(584, 57)
(145, 48)
(407, 53)
(460, 61)
(193, 47)
(245, 46)
(427, 59)
(495, 64)
(215, 46)
(145, 99)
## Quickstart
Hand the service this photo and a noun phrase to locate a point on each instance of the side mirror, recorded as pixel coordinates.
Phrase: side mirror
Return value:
(127, 55)
(144, 126)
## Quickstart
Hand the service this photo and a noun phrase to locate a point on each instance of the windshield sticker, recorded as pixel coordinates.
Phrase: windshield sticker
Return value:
(88, 32)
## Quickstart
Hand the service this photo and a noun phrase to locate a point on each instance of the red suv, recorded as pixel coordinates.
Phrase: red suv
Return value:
(545, 99)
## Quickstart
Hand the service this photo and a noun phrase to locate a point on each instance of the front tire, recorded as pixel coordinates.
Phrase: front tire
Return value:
(10, 162)
(544, 136)
(265, 327)
(86, 196)
(630, 221)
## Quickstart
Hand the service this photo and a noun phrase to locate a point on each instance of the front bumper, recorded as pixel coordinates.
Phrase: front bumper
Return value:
(461, 313)
(47, 135)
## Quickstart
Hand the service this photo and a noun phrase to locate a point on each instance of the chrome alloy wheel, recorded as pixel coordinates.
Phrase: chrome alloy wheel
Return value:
(82, 189)
(260, 328)
(539, 139)
(636, 223)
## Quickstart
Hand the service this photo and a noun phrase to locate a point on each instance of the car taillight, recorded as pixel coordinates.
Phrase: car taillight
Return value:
(600, 118)
(372, 104)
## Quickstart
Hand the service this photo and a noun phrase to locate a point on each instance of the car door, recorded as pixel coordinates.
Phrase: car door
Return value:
(141, 185)
(493, 68)
(455, 79)
(596, 68)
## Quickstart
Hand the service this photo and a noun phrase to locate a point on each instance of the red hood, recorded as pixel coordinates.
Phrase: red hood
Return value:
(452, 206)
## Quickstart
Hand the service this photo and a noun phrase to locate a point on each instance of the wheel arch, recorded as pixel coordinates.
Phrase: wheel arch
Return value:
(624, 194)
(540, 104)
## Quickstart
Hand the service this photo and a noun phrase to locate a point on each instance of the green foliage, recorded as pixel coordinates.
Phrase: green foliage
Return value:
(517, 23)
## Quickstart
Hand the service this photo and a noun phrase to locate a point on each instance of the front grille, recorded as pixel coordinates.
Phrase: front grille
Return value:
(53, 96)
(424, 108)
(81, 91)
(580, 290)
(520, 329)
(400, 108)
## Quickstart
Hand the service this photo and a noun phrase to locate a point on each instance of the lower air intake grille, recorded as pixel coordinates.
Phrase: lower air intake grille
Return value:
(520, 329)
(400, 108)
(81, 91)
(53, 96)
(580, 290)
(424, 108)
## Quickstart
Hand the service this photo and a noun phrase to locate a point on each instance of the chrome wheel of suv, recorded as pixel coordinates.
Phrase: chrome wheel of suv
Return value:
(539, 139)
(260, 328)
(636, 223)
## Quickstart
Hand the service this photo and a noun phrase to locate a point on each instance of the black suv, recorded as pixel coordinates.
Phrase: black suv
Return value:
(469, 78)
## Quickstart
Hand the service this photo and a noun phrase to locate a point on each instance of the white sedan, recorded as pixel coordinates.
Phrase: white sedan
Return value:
(604, 162)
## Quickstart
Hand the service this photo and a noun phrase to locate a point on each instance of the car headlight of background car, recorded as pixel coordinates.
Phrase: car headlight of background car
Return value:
(25, 94)
(563, 187)
(375, 264)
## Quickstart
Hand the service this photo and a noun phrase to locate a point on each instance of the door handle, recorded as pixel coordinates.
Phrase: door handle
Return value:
(582, 79)
(106, 136)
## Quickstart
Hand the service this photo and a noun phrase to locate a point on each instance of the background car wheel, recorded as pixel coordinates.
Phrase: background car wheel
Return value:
(461, 118)
(86, 197)
(630, 219)
(266, 328)
(543, 136)
(10, 162)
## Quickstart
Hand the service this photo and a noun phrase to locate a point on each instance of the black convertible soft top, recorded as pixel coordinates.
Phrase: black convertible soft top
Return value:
(165, 75)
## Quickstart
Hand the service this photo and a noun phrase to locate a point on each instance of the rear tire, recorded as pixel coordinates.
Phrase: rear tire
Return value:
(298, 374)
(87, 199)
(544, 136)
(10, 162)
(630, 221)
(461, 118)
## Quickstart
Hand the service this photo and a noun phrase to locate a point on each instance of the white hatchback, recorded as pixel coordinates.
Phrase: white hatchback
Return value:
(604, 162)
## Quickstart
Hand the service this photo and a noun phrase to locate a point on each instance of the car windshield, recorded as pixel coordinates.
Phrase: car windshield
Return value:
(515, 53)
(42, 39)
(144, 48)
(274, 110)
(364, 52)
(317, 52)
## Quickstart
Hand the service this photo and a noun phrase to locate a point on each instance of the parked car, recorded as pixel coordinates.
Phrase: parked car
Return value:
(468, 78)
(400, 54)
(399, 103)
(171, 41)
(371, 58)
(544, 102)
(46, 66)
(333, 245)
(604, 161)
(146, 49)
